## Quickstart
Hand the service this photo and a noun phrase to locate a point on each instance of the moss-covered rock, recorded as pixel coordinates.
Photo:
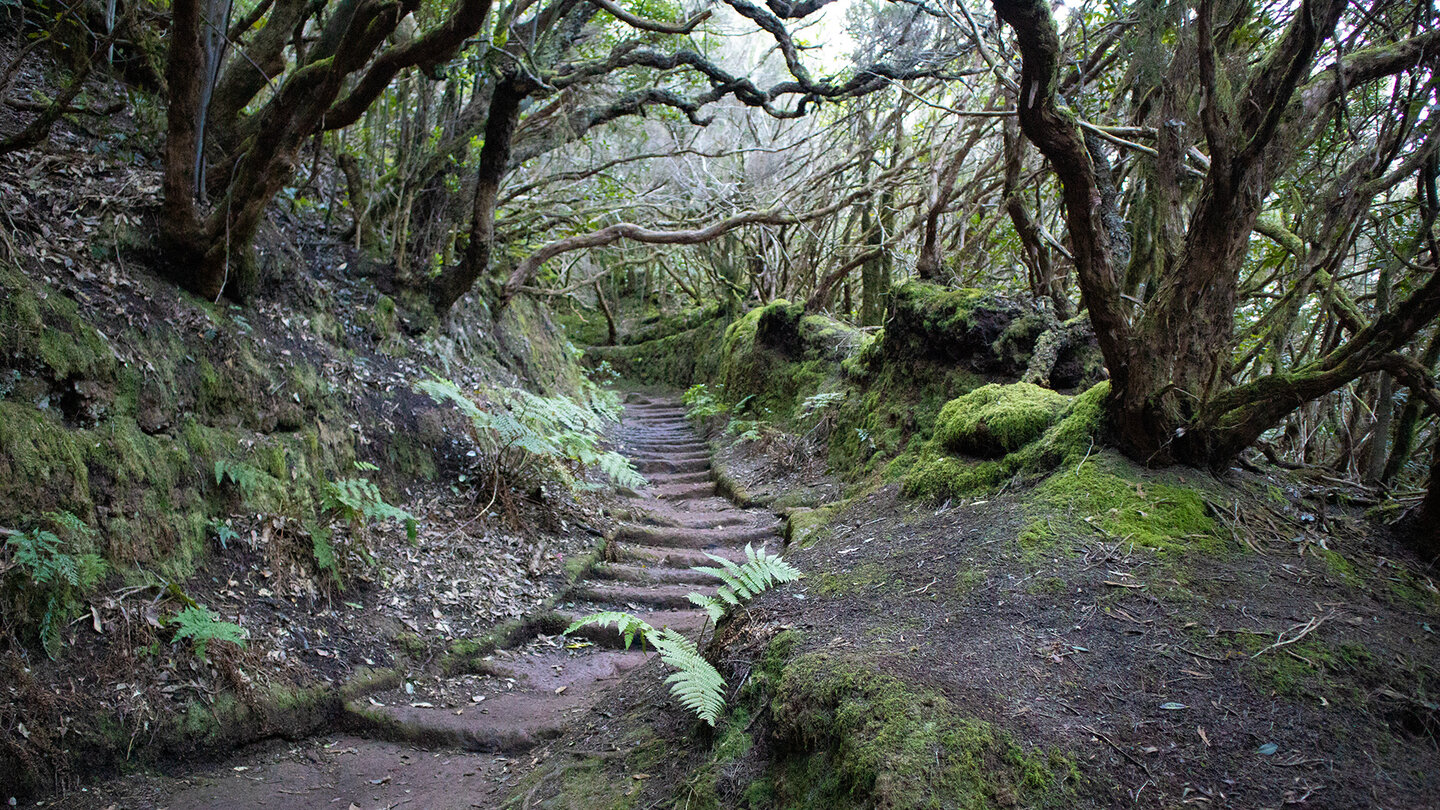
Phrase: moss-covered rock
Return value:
(855, 737)
(997, 419)
(1112, 496)
(936, 474)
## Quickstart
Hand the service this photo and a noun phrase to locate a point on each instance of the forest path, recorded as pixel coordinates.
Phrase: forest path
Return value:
(465, 740)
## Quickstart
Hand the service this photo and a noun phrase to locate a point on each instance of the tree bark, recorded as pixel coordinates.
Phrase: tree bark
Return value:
(456, 280)
(1426, 523)
(181, 233)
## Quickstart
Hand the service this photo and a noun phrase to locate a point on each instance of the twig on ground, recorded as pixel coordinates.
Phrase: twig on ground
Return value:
(1303, 630)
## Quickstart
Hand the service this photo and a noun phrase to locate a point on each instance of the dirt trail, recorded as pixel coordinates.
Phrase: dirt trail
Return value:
(464, 741)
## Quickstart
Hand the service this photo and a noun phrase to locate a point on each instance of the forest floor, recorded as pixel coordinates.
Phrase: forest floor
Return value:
(1290, 667)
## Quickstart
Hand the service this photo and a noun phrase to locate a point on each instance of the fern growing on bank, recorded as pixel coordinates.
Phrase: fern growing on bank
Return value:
(696, 683)
(521, 435)
(200, 624)
(57, 571)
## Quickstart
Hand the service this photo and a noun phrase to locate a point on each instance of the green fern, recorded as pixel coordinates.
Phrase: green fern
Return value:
(202, 626)
(245, 477)
(628, 625)
(760, 571)
(359, 501)
(521, 432)
(695, 682)
(60, 571)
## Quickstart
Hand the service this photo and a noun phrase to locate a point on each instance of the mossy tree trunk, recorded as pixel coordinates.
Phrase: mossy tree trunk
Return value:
(257, 153)
(1171, 400)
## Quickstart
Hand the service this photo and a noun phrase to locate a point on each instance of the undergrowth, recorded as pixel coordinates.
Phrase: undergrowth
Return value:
(696, 683)
(526, 438)
(53, 569)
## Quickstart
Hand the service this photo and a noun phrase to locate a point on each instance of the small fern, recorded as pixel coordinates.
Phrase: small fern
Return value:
(519, 432)
(760, 571)
(245, 477)
(628, 625)
(696, 683)
(359, 502)
(60, 571)
(199, 624)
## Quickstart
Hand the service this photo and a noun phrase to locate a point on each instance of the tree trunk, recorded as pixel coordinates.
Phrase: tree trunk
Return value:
(181, 234)
(1426, 525)
(1409, 421)
(457, 279)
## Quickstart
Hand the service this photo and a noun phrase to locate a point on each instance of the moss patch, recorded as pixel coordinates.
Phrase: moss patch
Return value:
(861, 578)
(854, 737)
(1111, 496)
(994, 420)
(937, 474)
(803, 526)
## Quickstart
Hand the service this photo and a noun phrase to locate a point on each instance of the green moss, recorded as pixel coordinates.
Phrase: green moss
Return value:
(1339, 567)
(39, 324)
(860, 738)
(1046, 585)
(967, 580)
(864, 577)
(733, 742)
(994, 420)
(42, 466)
(936, 475)
(1110, 495)
(1312, 669)
(803, 526)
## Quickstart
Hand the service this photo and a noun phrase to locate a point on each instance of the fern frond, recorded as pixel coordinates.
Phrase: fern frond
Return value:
(629, 625)
(711, 606)
(202, 626)
(760, 572)
(695, 682)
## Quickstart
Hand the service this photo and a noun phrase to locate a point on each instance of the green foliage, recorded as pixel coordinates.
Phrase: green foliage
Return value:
(58, 570)
(857, 737)
(997, 419)
(630, 627)
(359, 502)
(760, 572)
(695, 682)
(246, 478)
(703, 403)
(523, 435)
(199, 624)
(1068, 441)
(1111, 496)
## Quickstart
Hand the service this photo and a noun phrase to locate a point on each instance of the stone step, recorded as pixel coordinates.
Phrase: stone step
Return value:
(650, 574)
(657, 465)
(683, 445)
(666, 479)
(672, 537)
(689, 622)
(656, 455)
(675, 557)
(682, 492)
(549, 691)
(622, 595)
